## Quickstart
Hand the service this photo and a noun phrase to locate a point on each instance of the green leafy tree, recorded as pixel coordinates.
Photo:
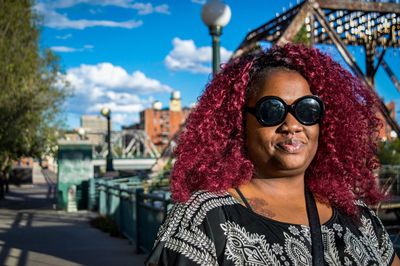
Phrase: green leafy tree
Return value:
(32, 90)
(389, 152)
(301, 37)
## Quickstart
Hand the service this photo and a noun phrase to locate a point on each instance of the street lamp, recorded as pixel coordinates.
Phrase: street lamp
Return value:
(215, 15)
(82, 133)
(106, 112)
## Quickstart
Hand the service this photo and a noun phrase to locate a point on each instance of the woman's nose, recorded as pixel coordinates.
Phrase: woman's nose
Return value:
(290, 125)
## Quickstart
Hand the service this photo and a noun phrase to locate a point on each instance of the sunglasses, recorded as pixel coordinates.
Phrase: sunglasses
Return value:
(271, 110)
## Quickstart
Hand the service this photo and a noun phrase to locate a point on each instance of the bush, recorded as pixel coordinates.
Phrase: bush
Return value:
(107, 225)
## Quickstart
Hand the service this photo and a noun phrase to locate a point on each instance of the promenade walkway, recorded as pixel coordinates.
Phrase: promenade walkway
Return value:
(32, 232)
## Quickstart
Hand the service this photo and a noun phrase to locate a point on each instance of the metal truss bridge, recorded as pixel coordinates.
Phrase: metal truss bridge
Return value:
(131, 150)
(372, 25)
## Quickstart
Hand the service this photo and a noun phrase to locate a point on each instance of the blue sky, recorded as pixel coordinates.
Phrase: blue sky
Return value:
(125, 54)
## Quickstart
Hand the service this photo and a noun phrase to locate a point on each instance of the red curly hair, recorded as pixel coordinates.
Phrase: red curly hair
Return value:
(211, 152)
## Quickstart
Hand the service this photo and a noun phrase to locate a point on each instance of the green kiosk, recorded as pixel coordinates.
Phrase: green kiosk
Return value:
(75, 168)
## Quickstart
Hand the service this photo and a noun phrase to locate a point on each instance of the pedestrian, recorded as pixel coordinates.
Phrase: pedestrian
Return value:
(275, 167)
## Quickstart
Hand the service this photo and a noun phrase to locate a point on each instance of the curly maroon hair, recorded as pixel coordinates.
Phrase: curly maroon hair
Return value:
(211, 154)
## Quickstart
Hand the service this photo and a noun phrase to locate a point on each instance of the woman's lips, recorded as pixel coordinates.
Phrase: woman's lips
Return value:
(290, 145)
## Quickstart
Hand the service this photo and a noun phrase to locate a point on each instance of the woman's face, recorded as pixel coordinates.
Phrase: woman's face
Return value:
(287, 149)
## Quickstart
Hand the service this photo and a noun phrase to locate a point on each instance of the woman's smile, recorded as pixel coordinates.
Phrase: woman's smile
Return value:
(290, 145)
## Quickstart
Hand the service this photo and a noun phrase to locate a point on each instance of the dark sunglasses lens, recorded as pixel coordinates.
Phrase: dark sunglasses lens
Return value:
(308, 111)
(272, 112)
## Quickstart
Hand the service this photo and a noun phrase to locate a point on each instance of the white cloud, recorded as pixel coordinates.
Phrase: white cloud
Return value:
(124, 106)
(163, 9)
(124, 119)
(66, 49)
(94, 94)
(148, 8)
(107, 76)
(118, 108)
(63, 49)
(123, 98)
(185, 56)
(64, 37)
(201, 2)
(88, 46)
(142, 8)
(123, 113)
(53, 19)
(94, 11)
(107, 85)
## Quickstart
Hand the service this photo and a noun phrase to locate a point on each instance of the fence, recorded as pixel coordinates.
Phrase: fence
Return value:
(389, 181)
(137, 214)
(389, 176)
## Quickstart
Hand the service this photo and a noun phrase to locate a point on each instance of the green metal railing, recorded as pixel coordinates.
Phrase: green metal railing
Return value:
(137, 215)
(389, 177)
(151, 210)
(389, 182)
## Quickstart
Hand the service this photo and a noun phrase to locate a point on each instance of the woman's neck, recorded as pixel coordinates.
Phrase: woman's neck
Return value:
(283, 187)
(281, 199)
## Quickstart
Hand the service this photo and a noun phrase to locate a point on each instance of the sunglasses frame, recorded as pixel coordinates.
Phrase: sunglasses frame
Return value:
(288, 109)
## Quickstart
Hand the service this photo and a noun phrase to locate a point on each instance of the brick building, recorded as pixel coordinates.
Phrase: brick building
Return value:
(386, 131)
(161, 124)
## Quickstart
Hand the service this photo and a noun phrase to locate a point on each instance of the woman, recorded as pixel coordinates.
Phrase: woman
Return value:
(279, 143)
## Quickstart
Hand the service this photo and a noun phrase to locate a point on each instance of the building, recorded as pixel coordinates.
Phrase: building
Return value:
(161, 124)
(94, 128)
(386, 132)
(94, 123)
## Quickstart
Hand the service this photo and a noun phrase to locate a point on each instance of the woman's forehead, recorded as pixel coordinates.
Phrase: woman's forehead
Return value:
(288, 85)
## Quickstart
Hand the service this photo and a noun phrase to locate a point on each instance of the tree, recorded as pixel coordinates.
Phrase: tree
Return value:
(32, 89)
(389, 152)
(301, 37)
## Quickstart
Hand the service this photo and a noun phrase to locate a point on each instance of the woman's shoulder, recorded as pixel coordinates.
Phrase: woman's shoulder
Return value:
(207, 200)
(365, 210)
(186, 232)
(193, 212)
(366, 213)
(204, 199)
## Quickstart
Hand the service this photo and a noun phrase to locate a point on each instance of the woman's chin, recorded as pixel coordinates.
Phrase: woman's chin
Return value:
(297, 165)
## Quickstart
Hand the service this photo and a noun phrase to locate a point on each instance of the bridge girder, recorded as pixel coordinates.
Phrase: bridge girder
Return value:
(135, 144)
(371, 25)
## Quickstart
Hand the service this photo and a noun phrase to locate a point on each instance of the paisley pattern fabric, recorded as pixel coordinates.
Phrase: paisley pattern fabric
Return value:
(214, 229)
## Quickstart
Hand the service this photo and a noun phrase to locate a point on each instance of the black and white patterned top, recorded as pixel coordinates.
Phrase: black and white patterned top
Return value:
(215, 229)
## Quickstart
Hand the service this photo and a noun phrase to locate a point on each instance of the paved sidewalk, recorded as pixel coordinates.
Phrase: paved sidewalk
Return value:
(33, 233)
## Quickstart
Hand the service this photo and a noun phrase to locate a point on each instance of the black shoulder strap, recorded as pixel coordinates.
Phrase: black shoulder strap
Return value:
(315, 229)
(243, 198)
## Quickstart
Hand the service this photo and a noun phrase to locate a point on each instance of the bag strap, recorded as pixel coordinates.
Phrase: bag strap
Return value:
(243, 199)
(315, 229)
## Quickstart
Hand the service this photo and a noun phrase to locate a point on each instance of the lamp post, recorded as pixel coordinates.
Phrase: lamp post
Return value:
(216, 15)
(106, 112)
(82, 133)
